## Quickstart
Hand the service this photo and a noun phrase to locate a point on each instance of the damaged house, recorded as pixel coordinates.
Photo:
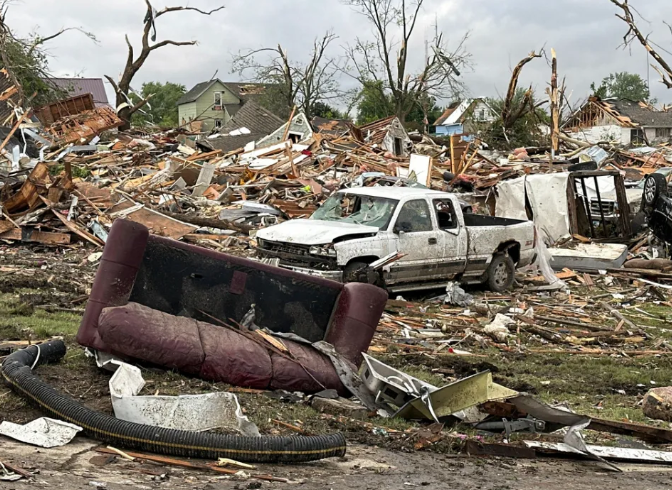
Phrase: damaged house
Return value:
(251, 123)
(213, 103)
(388, 134)
(464, 117)
(620, 121)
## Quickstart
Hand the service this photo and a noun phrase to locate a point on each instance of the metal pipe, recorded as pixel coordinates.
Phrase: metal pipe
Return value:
(599, 202)
(586, 204)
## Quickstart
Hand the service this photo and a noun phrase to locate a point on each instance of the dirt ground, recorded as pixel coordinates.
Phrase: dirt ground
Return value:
(43, 293)
(78, 466)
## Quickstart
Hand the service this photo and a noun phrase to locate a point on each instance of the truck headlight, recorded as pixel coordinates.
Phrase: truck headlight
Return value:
(324, 250)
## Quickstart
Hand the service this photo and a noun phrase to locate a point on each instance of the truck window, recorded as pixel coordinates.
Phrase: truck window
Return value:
(414, 217)
(445, 214)
(361, 210)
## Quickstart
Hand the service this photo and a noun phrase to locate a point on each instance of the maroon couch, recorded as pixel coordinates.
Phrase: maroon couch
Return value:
(183, 280)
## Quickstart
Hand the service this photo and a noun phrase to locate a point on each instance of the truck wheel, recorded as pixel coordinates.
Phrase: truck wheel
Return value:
(501, 273)
(654, 186)
(352, 273)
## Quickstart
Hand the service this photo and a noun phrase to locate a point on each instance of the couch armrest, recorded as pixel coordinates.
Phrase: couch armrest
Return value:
(115, 277)
(356, 315)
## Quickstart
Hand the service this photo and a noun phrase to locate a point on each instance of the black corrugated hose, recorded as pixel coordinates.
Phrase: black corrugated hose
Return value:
(17, 371)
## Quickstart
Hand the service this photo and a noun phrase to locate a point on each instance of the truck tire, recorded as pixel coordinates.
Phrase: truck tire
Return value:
(350, 274)
(654, 187)
(501, 273)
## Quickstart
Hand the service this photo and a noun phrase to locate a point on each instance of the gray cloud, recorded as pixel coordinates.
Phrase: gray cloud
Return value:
(584, 33)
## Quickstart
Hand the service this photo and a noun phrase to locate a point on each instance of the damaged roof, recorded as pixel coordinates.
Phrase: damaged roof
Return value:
(629, 113)
(376, 131)
(242, 90)
(456, 112)
(80, 86)
(258, 121)
(330, 127)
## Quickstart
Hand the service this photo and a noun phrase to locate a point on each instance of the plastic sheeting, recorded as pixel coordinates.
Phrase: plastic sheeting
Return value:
(547, 196)
(511, 199)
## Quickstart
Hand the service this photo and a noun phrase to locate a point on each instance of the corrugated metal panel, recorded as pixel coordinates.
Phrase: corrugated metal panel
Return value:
(79, 86)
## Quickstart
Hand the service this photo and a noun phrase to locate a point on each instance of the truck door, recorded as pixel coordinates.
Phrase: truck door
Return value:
(452, 238)
(418, 239)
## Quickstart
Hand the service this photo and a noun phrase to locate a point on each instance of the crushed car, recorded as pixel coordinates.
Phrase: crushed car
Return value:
(657, 205)
(401, 238)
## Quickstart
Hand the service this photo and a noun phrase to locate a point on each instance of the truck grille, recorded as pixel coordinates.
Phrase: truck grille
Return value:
(608, 207)
(289, 248)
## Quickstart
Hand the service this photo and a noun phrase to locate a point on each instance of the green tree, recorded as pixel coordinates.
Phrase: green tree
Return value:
(322, 109)
(26, 61)
(374, 103)
(426, 106)
(162, 107)
(622, 85)
(526, 128)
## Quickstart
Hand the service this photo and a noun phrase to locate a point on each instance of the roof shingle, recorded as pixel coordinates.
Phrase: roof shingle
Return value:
(259, 121)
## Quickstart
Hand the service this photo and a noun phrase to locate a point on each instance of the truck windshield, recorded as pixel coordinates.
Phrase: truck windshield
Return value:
(361, 210)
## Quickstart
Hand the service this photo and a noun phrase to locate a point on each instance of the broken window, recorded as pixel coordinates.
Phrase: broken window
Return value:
(662, 132)
(295, 137)
(637, 137)
(398, 147)
(445, 214)
(414, 217)
(218, 123)
(361, 210)
(218, 99)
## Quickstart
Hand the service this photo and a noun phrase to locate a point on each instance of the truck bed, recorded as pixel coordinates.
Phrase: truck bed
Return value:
(482, 220)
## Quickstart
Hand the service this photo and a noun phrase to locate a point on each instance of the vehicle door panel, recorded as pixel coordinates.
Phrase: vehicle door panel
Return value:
(417, 238)
(452, 237)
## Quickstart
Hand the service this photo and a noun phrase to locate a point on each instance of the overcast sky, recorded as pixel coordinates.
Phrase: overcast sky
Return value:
(584, 33)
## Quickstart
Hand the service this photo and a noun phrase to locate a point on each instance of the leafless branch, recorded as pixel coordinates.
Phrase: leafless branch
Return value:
(39, 40)
(634, 33)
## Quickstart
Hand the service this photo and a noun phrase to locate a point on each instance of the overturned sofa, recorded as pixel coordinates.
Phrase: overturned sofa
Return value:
(161, 301)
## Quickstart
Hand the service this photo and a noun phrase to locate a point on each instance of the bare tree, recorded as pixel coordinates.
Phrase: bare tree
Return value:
(386, 58)
(663, 68)
(303, 85)
(122, 87)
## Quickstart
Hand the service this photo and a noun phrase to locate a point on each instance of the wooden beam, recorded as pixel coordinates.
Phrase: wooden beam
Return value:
(13, 130)
(31, 235)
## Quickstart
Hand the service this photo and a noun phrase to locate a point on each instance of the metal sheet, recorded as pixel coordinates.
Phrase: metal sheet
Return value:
(184, 412)
(43, 432)
(617, 453)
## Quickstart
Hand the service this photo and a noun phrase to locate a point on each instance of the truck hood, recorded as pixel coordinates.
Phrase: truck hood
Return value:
(313, 231)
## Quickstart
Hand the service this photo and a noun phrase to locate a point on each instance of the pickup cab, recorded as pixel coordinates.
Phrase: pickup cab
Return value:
(358, 235)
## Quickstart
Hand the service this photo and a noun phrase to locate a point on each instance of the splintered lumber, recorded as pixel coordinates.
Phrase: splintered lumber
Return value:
(188, 464)
(616, 314)
(555, 104)
(72, 227)
(13, 130)
(571, 323)
(220, 224)
(30, 235)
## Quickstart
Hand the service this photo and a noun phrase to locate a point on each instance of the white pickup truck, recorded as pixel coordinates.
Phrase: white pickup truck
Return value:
(357, 227)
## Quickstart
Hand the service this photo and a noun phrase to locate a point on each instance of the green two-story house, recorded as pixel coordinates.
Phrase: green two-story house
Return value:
(211, 104)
